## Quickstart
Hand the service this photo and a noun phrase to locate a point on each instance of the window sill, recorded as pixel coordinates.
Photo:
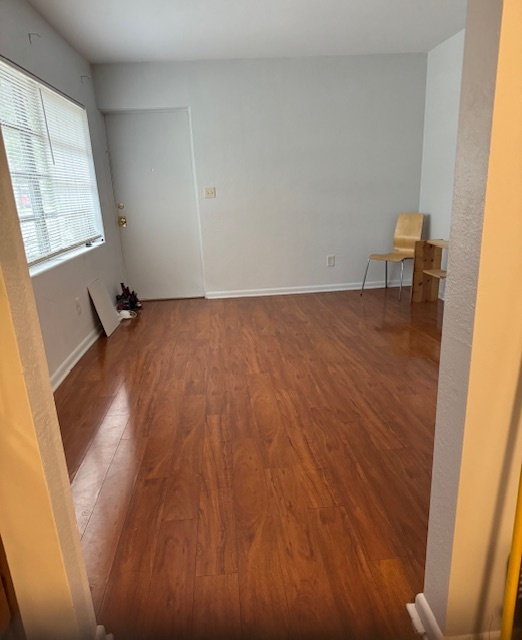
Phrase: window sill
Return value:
(38, 269)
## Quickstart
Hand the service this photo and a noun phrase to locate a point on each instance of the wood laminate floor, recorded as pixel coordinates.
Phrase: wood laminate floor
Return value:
(256, 468)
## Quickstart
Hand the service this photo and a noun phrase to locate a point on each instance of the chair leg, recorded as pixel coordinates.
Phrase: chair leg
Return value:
(386, 274)
(402, 274)
(365, 274)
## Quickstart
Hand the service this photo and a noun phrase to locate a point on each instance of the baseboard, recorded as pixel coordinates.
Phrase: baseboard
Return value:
(415, 620)
(64, 369)
(423, 619)
(285, 291)
(426, 625)
(101, 634)
(485, 635)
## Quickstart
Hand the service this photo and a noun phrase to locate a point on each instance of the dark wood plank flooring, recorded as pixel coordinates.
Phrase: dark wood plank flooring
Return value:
(256, 468)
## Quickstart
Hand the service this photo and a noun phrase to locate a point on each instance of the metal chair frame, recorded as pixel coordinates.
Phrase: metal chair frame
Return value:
(385, 274)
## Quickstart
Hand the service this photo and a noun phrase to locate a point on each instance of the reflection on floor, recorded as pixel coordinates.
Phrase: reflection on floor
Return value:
(256, 468)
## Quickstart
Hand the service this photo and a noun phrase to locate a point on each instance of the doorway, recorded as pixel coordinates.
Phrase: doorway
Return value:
(153, 180)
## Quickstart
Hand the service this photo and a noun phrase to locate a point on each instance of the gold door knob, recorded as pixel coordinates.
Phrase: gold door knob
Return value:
(122, 221)
(121, 205)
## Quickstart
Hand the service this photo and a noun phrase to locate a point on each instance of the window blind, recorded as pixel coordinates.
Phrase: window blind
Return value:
(48, 148)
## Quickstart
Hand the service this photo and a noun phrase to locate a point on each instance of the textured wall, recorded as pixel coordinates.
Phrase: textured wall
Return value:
(492, 448)
(478, 84)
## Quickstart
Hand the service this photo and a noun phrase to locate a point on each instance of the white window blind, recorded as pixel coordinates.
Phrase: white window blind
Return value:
(49, 153)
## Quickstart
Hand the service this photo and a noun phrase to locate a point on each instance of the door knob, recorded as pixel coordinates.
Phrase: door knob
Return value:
(121, 205)
(122, 221)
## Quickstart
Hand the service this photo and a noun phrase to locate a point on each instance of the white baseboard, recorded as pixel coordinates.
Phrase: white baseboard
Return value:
(285, 291)
(64, 369)
(423, 619)
(425, 623)
(415, 620)
(485, 635)
(101, 634)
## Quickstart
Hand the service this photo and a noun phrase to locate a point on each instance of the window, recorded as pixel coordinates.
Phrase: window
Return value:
(48, 148)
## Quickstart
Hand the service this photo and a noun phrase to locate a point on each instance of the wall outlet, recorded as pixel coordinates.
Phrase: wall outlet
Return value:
(330, 261)
(210, 192)
(78, 306)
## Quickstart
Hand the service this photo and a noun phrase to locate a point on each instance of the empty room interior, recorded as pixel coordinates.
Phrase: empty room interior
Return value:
(308, 425)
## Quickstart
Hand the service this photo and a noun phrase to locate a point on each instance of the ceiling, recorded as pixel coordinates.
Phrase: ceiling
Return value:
(148, 30)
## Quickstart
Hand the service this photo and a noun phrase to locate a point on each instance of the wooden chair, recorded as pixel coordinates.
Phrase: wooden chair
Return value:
(407, 232)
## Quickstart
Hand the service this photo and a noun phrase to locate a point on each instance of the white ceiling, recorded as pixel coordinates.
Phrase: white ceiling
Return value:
(146, 30)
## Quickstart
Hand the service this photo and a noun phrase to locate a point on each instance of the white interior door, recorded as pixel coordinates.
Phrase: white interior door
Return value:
(151, 161)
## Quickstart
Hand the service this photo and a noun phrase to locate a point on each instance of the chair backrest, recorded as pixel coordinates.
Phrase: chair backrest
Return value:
(408, 231)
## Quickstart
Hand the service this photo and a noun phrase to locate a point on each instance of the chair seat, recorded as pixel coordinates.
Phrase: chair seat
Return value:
(393, 256)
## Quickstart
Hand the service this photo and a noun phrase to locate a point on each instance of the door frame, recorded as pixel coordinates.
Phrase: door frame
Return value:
(112, 112)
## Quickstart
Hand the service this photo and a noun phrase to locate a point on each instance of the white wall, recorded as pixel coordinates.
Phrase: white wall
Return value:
(309, 157)
(50, 58)
(440, 135)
